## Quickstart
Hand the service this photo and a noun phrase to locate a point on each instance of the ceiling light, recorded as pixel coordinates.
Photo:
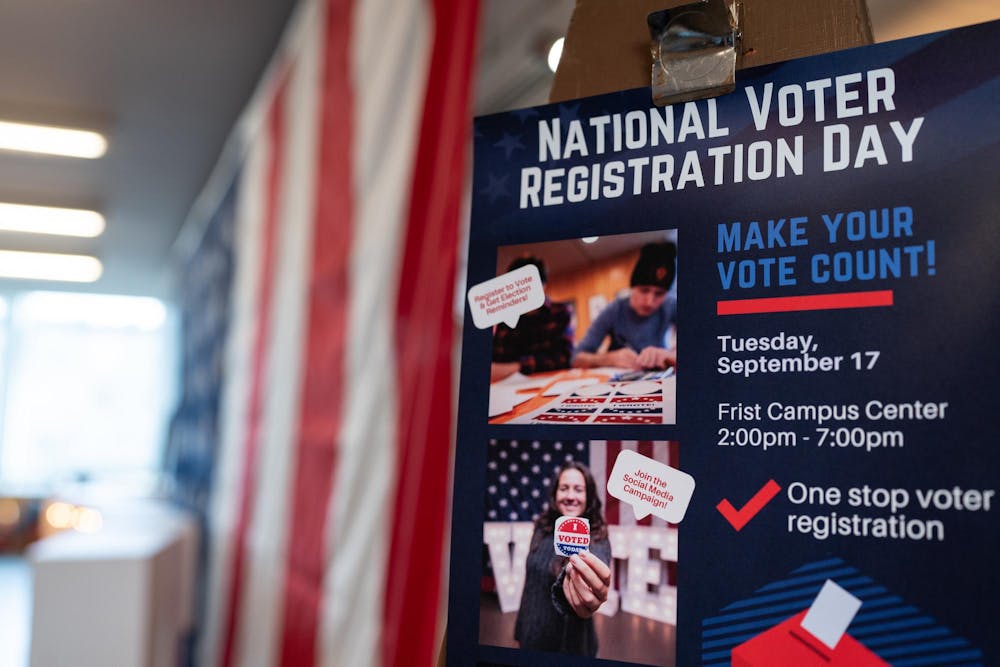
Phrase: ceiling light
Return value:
(48, 266)
(49, 220)
(51, 140)
(590, 239)
(555, 53)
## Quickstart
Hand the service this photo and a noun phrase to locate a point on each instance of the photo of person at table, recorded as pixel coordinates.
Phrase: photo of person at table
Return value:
(601, 349)
(637, 325)
(562, 594)
(542, 340)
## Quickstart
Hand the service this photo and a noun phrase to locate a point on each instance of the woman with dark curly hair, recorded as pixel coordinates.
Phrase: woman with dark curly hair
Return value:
(562, 594)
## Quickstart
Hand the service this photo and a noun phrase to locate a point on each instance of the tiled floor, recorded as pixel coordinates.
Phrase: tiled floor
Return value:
(15, 611)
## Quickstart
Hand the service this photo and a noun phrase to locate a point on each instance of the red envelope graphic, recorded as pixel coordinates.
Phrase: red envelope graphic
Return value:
(788, 645)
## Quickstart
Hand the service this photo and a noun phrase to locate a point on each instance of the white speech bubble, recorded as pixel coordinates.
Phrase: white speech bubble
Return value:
(506, 297)
(650, 487)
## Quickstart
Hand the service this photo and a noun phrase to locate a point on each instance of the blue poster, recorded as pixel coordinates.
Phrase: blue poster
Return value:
(726, 393)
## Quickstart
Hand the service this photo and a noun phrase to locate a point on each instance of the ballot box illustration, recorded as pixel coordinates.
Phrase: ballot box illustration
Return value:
(814, 636)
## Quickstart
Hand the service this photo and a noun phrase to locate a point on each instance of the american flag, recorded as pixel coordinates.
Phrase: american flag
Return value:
(191, 450)
(334, 440)
(520, 473)
(206, 285)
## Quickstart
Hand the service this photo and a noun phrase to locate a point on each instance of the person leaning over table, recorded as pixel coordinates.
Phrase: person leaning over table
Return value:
(561, 594)
(542, 339)
(638, 324)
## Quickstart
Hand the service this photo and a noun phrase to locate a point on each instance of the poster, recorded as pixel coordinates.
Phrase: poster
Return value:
(808, 450)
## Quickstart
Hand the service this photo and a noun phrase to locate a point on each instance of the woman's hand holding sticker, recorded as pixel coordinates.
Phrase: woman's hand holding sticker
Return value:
(572, 525)
(586, 583)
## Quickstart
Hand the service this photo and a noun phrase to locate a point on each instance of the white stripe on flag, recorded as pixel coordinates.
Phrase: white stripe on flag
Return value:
(260, 617)
(598, 468)
(661, 453)
(234, 408)
(390, 53)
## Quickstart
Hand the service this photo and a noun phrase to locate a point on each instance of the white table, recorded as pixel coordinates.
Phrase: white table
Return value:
(122, 596)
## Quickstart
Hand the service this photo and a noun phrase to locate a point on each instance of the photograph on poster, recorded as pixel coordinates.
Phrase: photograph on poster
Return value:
(602, 348)
(533, 599)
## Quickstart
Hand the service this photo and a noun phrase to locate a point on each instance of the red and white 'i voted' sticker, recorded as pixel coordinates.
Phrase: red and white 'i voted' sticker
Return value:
(572, 535)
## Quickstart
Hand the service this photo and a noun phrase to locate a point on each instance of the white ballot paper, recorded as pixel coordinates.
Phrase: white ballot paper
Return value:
(830, 614)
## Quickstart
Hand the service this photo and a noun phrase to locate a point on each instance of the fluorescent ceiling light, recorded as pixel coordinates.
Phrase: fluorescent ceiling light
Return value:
(51, 140)
(49, 220)
(48, 266)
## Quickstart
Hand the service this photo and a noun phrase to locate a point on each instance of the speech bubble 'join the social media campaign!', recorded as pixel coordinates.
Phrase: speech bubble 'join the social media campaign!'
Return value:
(650, 487)
(506, 297)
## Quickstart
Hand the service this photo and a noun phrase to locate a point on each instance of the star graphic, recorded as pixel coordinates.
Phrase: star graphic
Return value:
(509, 144)
(525, 114)
(496, 188)
(568, 112)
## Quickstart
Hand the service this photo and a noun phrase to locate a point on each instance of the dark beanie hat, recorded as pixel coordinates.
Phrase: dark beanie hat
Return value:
(525, 260)
(655, 265)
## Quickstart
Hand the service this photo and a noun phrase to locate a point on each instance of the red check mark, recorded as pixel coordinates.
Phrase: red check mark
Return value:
(739, 518)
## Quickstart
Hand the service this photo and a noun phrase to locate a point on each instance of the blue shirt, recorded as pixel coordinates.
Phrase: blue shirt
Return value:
(628, 329)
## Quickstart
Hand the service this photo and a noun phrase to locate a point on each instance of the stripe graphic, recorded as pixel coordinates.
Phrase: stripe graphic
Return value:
(785, 304)
(914, 639)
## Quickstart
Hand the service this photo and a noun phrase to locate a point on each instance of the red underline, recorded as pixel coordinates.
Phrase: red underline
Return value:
(784, 304)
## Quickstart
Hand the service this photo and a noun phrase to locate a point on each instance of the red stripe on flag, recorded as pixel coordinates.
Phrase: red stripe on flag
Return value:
(646, 449)
(784, 304)
(265, 297)
(611, 511)
(424, 335)
(323, 381)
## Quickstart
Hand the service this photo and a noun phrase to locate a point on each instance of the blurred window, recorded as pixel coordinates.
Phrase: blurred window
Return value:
(3, 344)
(89, 384)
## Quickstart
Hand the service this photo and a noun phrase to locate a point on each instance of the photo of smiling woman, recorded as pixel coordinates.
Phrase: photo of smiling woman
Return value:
(562, 594)
(618, 601)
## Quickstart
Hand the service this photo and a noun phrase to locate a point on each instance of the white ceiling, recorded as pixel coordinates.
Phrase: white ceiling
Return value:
(166, 79)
